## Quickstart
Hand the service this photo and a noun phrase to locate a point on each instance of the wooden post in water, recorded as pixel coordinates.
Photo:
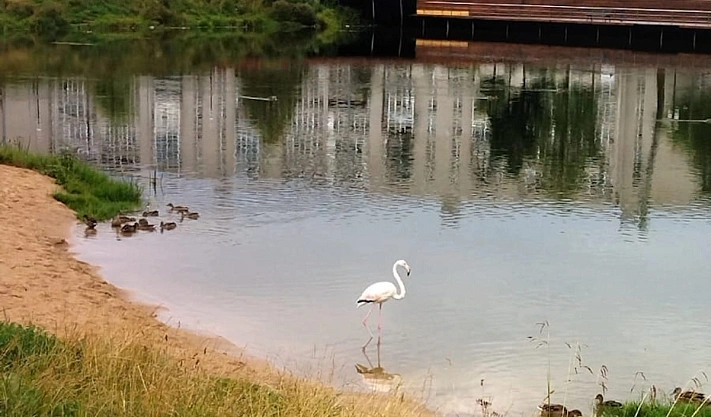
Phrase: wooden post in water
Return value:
(694, 42)
(401, 18)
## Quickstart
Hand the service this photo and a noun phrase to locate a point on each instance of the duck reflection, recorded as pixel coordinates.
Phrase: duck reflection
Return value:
(375, 377)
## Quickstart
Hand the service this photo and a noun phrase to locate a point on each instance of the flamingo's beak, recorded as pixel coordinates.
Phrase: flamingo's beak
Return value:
(408, 272)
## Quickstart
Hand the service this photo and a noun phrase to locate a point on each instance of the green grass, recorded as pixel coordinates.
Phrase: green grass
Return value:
(125, 375)
(656, 409)
(85, 189)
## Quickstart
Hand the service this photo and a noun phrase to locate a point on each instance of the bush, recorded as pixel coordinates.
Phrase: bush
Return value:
(48, 19)
(302, 13)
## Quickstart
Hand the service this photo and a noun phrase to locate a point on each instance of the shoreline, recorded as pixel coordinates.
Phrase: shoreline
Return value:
(45, 285)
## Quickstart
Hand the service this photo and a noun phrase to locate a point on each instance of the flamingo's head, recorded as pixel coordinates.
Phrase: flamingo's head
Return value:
(403, 263)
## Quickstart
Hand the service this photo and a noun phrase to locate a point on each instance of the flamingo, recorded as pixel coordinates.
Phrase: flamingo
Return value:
(381, 292)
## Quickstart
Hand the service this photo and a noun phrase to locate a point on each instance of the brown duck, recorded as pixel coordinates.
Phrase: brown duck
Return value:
(90, 222)
(194, 215)
(600, 403)
(688, 396)
(168, 225)
(129, 228)
(178, 208)
(119, 220)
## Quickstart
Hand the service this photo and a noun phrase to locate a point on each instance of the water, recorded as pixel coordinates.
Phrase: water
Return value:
(520, 191)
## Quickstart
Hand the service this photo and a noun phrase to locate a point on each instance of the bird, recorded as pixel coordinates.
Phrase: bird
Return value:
(688, 396)
(89, 221)
(177, 208)
(600, 402)
(151, 213)
(553, 410)
(558, 410)
(381, 292)
(194, 215)
(119, 220)
(168, 226)
(144, 225)
(129, 228)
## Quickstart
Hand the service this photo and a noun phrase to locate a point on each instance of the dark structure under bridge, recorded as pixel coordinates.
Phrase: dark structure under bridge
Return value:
(676, 25)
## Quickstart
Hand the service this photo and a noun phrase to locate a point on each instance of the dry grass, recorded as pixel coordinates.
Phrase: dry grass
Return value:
(123, 375)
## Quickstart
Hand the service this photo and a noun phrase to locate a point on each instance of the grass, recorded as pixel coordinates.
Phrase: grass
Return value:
(124, 375)
(85, 189)
(655, 409)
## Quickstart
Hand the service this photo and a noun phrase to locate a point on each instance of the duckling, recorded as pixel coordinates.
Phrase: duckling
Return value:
(152, 213)
(178, 208)
(147, 227)
(194, 215)
(142, 222)
(688, 396)
(129, 228)
(89, 231)
(119, 220)
(599, 402)
(575, 413)
(89, 221)
(168, 226)
(553, 410)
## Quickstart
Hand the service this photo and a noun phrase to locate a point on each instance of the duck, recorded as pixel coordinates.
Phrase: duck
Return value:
(147, 227)
(129, 228)
(194, 215)
(600, 402)
(178, 208)
(152, 213)
(120, 219)
(168, 225)
(142, 222)
(688, 396)
(89, 231)
(553, 410)
(89, 221)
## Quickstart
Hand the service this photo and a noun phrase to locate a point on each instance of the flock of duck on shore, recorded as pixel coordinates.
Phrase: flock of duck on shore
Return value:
(559, 410)
(129, 225)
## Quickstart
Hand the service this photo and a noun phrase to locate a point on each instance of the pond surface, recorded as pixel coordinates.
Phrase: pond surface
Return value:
(564, 192)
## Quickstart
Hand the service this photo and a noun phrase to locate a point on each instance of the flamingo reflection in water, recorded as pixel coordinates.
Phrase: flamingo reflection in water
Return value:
(375, 377)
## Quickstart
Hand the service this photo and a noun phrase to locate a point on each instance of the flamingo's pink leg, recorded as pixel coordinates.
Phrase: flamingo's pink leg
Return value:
(365, 320)
(380, 321)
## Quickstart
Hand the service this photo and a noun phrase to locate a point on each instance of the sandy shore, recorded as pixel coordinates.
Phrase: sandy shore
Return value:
(42, 283)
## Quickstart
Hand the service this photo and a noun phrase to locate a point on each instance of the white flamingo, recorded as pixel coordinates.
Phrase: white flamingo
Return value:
(381, 292)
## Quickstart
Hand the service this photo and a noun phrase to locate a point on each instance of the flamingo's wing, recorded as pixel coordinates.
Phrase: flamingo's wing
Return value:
(377, 293)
